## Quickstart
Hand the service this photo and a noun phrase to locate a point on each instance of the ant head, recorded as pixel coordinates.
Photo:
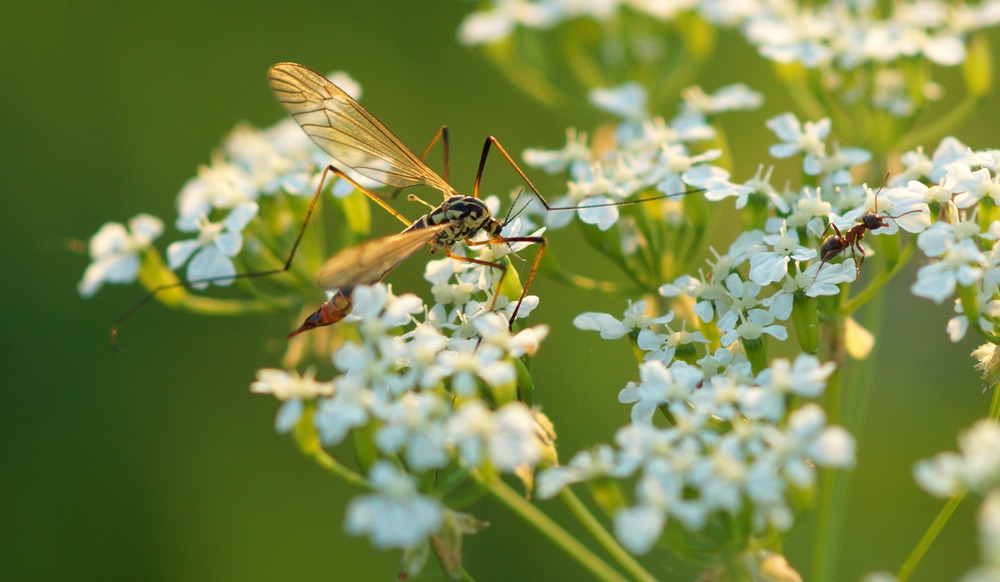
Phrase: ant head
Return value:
(873, 221)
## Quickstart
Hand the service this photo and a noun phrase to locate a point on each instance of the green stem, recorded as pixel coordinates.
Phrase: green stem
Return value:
(884, 276)
(324, 460)
(604, 537)
(549, 528)
(941, 125)
(943, 516)
(830, 497)
(929, 536)
(229, 307)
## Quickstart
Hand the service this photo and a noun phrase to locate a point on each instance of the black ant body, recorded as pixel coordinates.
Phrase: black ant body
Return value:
(839, 242)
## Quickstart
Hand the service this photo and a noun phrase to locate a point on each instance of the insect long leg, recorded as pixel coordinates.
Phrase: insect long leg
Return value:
(493, 142)
(442, 136)
(374, 197)
(284, 268)
(540, 240)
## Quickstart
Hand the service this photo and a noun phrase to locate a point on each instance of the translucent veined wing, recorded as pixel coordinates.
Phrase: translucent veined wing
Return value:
(369, 261)
(347, 131)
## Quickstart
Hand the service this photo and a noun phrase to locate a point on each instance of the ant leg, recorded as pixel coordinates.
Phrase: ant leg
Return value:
(858, 264)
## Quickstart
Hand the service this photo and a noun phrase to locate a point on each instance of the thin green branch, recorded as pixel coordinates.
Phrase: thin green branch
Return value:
(929, 536)
(549, 528)
(604, 537)
(884, 277)
(324, 460)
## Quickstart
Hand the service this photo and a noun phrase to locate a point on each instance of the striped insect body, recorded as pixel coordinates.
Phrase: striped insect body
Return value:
(465, 216)
(362, 144)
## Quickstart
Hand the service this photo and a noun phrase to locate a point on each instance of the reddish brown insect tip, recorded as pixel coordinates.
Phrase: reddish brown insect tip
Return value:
(330, 313)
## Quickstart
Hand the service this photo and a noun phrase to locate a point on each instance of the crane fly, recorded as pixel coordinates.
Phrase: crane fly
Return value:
(355, 138)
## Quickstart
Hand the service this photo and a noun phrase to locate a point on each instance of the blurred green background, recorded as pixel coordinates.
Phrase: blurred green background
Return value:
(156, 463)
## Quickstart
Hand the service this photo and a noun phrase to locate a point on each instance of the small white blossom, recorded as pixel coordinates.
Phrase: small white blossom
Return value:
(414, 423)
(634, 319)
(507, 438)
(350, 407)
(211, 253)
(115, 252)
(396, 516)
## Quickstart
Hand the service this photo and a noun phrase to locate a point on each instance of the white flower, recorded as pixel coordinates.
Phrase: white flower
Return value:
(824, 278)
(809, 140)
(221, 185)
(941, 475)
(733, 97)
(960, 264)
(941, 235)
(507, 438)
(115, 251)
(211, 253)
(976, 465)
(663, 346)
(290, 385)
(805, 377)
(349, 407)
(414, 422)
(627, 100)
(380, 311)
(974, 186)
(465, 363)
(659, 385)
(584, 465)
(500, 20)
(575, 152)
(771, 267)
(634, 319)
(396, 516)
(753, 326)
(638, 528)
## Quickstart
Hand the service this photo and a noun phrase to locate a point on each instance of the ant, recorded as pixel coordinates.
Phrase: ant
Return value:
(839, 242)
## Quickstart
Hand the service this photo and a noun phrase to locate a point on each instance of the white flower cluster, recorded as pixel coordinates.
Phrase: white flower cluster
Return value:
(219, 204)
(862, 49)
(751, 288)
(425, 392)
(977, 467)
(848, 34)
(961, 185)
(733, 445)
(651, 157)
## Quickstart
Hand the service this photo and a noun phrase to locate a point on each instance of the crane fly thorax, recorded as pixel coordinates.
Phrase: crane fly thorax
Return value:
(465, 215)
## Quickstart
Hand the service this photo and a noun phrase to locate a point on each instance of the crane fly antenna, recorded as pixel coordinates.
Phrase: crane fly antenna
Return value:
(493, 142)
(511, 215)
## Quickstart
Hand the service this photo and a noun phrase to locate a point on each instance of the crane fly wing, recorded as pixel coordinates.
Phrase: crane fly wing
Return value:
(347, 131)
(369, 261)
